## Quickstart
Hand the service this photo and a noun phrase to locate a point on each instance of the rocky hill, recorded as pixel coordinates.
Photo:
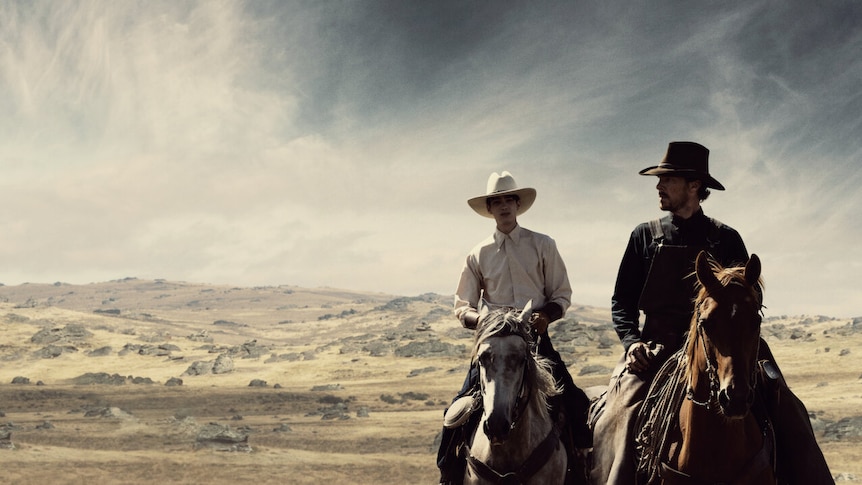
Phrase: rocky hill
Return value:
(158, 359)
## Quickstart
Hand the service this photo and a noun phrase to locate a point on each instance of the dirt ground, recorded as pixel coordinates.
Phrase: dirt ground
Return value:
(155, 443)
(391, 404)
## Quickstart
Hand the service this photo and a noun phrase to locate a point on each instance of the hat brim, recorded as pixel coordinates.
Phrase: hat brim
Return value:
(527, 196)
(682, 172)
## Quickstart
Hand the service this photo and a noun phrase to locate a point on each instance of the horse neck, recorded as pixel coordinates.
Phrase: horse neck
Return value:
(711, 442)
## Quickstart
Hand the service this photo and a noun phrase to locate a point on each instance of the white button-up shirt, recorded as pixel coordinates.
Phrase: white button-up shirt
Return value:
(509, 270)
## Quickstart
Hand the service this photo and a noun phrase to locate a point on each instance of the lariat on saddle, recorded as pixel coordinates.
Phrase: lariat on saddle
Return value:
(658, 416)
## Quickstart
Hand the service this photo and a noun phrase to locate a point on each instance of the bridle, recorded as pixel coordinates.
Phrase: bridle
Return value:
(711, 367)
(524, 391)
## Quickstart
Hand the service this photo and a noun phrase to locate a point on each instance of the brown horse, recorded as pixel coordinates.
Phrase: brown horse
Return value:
(716, 433)
(516, 441)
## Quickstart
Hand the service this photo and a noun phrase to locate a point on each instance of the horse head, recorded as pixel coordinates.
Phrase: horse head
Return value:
(726, 322)
(511, 377)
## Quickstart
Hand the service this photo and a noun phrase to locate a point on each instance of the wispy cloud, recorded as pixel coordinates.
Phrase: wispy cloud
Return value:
(336, 143)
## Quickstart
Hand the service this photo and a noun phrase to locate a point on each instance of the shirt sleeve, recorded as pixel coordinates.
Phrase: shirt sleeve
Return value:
(557, 287)
(469, 288)
(630, 281)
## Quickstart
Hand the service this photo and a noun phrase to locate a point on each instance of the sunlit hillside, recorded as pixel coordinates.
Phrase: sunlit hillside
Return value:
(137, 381)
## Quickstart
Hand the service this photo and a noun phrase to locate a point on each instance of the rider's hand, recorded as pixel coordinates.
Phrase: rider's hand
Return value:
(539, 322)
(638, 357)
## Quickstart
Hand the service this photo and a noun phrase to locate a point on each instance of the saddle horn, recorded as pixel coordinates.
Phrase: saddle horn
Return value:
(526, 313)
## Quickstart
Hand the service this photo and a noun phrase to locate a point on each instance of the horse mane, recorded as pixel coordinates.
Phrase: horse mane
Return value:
(502, 323)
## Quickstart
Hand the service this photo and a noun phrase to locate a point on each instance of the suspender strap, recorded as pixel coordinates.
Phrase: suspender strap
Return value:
(714, 233)
(655, 229)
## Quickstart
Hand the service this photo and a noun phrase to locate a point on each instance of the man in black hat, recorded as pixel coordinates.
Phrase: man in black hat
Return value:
(656, 276)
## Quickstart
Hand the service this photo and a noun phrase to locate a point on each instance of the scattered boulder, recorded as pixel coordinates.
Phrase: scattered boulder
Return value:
(290, 357)
(336, 411)
(228, 323)
(174, 381)
(845, 429)
(109, 379)
(6, 439)
(70, 333)
(416, 372)
(223, 364)
(45, 425)
(199, 368)
(107, 412)
(100, 352)
(99, 378)
(53, 351)
(222, 438)
(202, 336)
(327, 387)
(257, 383)
(20, 380)
(250, 350)
(431, 348)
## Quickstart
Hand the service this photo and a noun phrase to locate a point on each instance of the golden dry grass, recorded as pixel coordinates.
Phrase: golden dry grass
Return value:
(337, 333)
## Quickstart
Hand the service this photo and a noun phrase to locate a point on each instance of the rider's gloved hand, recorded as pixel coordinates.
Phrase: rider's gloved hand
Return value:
(470, 319)
(539, 322)
(638, 357)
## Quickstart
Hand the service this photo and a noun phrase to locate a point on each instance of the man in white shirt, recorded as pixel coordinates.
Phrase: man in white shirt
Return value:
(509, 269)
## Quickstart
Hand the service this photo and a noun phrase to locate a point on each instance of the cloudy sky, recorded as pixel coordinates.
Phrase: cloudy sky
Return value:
(335, 143)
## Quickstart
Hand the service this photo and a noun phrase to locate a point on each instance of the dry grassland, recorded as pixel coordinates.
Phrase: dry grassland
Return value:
(324, 349)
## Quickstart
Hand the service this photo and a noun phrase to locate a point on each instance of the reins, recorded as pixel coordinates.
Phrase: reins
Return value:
(711, 373)
(533, 464)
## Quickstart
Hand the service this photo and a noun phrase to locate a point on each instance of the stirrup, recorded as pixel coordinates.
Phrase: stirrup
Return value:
(460, 410)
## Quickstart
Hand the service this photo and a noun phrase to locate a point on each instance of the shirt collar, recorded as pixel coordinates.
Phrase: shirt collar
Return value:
(691, 221)
(514, 235)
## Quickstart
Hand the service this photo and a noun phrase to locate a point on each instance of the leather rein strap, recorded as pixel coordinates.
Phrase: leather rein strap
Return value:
(534, 463)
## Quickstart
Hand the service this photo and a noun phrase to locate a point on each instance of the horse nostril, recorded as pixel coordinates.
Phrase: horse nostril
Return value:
(496, 429)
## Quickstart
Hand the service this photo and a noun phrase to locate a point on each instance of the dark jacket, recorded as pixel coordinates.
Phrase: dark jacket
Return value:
(723, 242)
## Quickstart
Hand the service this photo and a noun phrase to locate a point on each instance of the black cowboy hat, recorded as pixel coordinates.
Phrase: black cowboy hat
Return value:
(685, 159)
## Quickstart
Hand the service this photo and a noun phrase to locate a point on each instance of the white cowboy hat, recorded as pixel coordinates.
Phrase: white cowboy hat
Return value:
(499, 185)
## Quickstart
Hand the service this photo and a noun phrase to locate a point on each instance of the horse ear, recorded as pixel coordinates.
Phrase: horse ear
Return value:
(526, 313)
(752, 270)
(705, 275)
